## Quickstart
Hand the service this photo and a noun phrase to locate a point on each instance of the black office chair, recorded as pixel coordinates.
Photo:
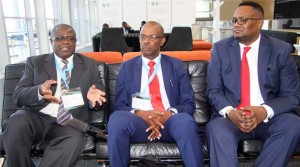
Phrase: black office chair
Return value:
(180, 40)
(289, 37)
(112, 40)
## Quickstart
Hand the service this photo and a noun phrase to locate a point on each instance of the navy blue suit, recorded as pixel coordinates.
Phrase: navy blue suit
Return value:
(279, 86)
(125, 127)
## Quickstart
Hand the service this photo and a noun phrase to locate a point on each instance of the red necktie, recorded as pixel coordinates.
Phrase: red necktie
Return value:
(245, 81)
(154, 89)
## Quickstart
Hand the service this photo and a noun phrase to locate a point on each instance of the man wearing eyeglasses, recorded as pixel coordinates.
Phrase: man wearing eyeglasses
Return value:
(253, 88)
(42, 95)
(154, 102)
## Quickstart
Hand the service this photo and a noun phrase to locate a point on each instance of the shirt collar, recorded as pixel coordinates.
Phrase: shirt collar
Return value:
(146, 61)
(58, 59)
(254, 45)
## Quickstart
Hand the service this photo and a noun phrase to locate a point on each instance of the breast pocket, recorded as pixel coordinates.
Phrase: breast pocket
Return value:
(272, 79)
(174, 86)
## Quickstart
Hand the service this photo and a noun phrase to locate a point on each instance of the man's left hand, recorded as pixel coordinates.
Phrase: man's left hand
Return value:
(257, 115)
(159, 119)
(96, 95)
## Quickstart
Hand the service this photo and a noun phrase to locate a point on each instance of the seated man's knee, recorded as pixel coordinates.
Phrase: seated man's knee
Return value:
(17, 120)
(216, 126)
(118, 119)
(184, 122)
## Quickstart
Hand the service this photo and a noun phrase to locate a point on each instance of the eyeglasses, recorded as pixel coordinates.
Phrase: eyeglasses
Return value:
(240, 21)
(150, 37)
(63, 38)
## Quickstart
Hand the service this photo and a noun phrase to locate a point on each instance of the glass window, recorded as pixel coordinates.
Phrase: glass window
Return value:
(87, 21)
(204, 9)
(17, 39)
(14, 8)
(21, 29)
(74, 18)
(31, 9)
(49, 9)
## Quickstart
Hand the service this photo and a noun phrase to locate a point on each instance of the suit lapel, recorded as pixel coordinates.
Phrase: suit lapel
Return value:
(50, 69)
(166, 72)
(137, 75)
(235, 61)
(264, 54)
(49, 65)
(77, 71)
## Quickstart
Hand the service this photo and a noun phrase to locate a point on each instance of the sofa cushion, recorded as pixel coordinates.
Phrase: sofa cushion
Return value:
(138, 150)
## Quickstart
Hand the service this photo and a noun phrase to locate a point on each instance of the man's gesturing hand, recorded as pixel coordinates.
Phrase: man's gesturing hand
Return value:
(46, 92)
(96, 95)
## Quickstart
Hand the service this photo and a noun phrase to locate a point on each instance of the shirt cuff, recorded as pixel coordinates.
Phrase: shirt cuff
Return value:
(175, 111)
(270, 112)
(225, 110)
(39, 95)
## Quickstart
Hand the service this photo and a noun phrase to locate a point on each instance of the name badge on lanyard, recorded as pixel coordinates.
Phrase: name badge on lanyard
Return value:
(72, 98)
(142, 100)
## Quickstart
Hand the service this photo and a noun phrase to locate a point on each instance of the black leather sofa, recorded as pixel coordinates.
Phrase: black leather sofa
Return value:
(248, 149)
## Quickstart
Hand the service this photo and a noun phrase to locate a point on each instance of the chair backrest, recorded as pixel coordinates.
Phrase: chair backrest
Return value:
(180, 40)
(112, 40)
(182, 55)
(13, 74)
(107, 57)
(96, 43)
(289, 37)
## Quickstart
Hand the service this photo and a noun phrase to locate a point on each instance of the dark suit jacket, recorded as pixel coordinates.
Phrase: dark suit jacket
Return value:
(177, 84)
(277, 75)
(129, 30)
(38, 69)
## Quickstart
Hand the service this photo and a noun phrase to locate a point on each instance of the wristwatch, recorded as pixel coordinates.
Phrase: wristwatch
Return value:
(227, 114)
(172, 110)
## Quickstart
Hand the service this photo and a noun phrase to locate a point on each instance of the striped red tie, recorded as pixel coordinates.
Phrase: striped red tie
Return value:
(245, 81)
(154, 90)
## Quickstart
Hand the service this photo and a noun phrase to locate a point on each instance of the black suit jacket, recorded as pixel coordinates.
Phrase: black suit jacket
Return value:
(38, 69)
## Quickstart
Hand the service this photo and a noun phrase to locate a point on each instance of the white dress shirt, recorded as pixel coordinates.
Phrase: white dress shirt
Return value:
(52, 108)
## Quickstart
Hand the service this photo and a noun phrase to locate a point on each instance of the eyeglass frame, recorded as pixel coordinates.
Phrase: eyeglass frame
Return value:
(61, 38)
(241, 21)
(153, 37)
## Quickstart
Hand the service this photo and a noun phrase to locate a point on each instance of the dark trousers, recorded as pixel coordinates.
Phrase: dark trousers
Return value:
(25, 128)
(281, 135)
(125, 127)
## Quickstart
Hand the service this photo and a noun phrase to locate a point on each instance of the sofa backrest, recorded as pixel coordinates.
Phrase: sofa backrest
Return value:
(196, 69)
(13, 74)
(197, 73)
(108, 65)
(289, 37)
(107, 57)
(182, 55)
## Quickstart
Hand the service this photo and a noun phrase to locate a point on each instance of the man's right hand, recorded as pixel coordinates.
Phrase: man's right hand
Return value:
(154, 126)
(243, 122)
(46, 92)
